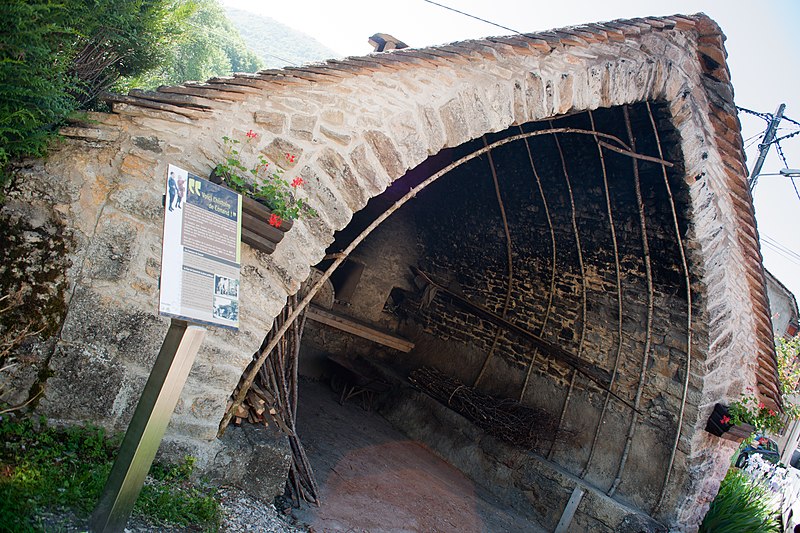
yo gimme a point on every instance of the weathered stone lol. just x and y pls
(385, 151)
(151, 144)
(84, 384)
(254, 459)
(280, 150)
(302, 126)
(112, 249)
(455, 123)
(340, 138)
(334, 165)
(272, 121)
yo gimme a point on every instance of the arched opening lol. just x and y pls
(523, 274)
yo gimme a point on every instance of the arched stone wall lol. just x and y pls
(355, 126)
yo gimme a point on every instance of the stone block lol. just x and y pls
(112, 248)
(302, 126)
(253, 458)
(272, 121)
(84, 384)
(342, 176)
(456, 126)
(122, 332)
(387, 154)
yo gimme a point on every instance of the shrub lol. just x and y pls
(741, 506)
(48, 469)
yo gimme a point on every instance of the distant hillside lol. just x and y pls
(276, 44)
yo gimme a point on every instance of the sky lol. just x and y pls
(763, 55)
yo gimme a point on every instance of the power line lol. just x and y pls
(789, 258)
(786, 165)
(474, 17)
(764, 116)
(780, 249)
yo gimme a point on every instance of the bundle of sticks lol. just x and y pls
(274, 393)
(502, 418)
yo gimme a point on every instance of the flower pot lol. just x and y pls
(727, 431)
(256, 229)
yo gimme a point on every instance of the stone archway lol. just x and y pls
(355, 126)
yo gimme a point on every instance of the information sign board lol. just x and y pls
(201, 251)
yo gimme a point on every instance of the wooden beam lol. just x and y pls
(569, 511)
(599, 375)
(360, 329)
(256, 241)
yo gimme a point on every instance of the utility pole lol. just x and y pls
(769, 136)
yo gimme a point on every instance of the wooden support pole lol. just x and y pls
(569, 511)
(597, 374)
(155, 407)
(369, 229)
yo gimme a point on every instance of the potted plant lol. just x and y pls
(270, 202)
(738, 420)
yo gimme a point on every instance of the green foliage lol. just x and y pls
(788, 352)
(117, 39)
(740, 507)
(46, 468)
(264, 182)
(751, 411)
(207, 45)
(33, 76)
(170, 497)
(58, 56)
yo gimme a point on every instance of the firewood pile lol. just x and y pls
(502, 418)
(273, 395)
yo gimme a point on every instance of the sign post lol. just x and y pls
(200, 259)
(147, 427)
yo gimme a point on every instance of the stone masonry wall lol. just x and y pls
(355, 126)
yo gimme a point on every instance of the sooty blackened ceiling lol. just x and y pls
(459, 215)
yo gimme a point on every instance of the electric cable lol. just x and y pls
(474, 17)
(782, 249)
(764, 116)
(786, 165)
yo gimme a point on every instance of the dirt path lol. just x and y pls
(373, 478)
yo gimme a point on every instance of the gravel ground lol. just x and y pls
(240, 513)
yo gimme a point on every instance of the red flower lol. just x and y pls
(274, 220)
(725, 419)
(297, 182)
(771, 412)
(251, 134)
(761, 405)
(290, 157)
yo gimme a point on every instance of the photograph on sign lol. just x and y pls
(201, 251)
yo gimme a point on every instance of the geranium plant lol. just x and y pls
(265, 182)
(749, 410)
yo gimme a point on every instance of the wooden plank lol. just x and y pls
(257, 242)
(594, 372)
(258, 210)
(359, 329)
(569, 511)
(173, 98)
(260, 226)
(151, 104)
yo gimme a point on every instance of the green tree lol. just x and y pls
(57, 56)
(33, 75)
(208, 45)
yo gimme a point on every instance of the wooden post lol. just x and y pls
(569, 510)
(147, 427)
